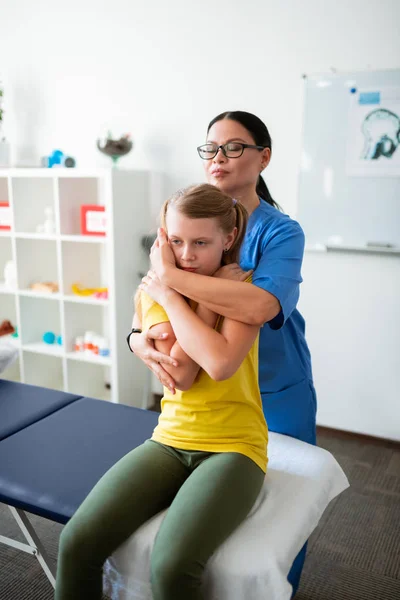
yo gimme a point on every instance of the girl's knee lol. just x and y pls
(74, 541)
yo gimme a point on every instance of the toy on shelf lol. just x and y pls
(58, 159)
(5, 216)
(45, 287)
(10, 275)
(8, 349)
(92, 343)
(6, 328)
(99, 293)
(49, 337)
(49, 224)
(93, 219)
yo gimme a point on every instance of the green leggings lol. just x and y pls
(209, 495)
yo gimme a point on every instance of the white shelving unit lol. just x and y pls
(66, 257)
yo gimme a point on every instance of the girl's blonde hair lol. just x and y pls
(206, 201)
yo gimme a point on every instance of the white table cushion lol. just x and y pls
(253, 563)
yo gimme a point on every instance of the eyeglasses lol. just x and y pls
(230, 150)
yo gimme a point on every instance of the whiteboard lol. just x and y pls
(347, 195)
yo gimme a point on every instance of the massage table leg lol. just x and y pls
(34, 545)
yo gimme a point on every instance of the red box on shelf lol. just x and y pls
(93, 219)
(5, 216)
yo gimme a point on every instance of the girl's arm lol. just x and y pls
(184, 370)
(184, 374)
(219, 354)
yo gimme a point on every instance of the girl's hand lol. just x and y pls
(161, 256)
(232, 272)
(152, 285)
(142, 345)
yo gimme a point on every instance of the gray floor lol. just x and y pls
(354, 554)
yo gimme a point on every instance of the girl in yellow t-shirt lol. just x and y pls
(207, 457)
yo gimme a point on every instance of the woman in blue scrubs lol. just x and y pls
(236, 151)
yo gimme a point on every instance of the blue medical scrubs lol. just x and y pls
(273, 247)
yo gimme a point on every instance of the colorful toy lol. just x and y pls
(93, 219)
(58, 159)
(51, 338)
(92, 343)
(5, 216)
(45, 287)
(101, 292)
(6, 328)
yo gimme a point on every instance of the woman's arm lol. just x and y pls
(234, 299)
(219, 354)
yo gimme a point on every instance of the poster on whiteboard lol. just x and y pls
(373, 145)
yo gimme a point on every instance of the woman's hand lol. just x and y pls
(161, 256)
(152, 285)
(142, 344)
(232, 272)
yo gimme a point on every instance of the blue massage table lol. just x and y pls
(55, 446)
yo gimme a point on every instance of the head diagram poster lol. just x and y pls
(373, 146)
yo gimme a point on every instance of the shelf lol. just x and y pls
(35, 236)
(6, 290)
(89, 239)
(10, 340)
(45, 295)
(54, 296)
(58, 172)
(89, 357)
(61, 254)
(42, 348)
(43, 370)
(86, 300)
(36, 260)
(56, 350)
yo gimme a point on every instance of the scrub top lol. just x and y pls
(273, 247)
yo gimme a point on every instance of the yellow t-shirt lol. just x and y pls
(212, 416)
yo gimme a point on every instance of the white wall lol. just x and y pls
(351, 306)
(162, 69)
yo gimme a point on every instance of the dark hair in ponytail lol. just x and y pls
(260, 134)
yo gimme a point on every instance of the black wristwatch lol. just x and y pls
(134, 330)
